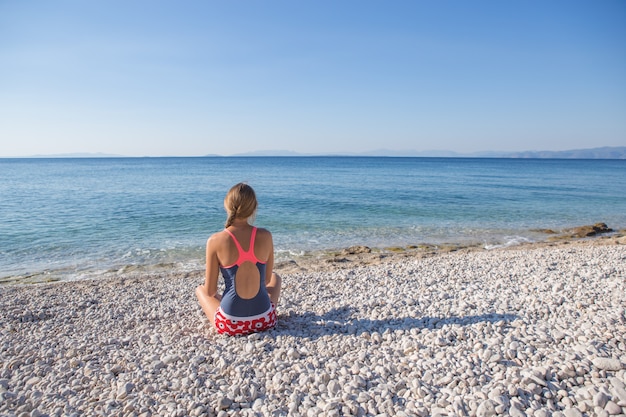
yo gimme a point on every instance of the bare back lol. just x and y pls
(247, 281)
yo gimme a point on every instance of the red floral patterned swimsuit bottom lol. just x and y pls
(234, 326)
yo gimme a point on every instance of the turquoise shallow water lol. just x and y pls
(66, 218)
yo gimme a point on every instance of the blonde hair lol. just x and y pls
(240, 203)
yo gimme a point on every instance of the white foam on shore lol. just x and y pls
(508, 242)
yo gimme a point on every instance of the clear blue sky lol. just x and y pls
(202, 77)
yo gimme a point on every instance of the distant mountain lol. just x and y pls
(79, 155)
(606, 152)
(432, 153)
(272, 153)
(594, 153)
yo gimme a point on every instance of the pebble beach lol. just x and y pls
(535, 330)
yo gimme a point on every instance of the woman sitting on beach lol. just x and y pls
(245, 256)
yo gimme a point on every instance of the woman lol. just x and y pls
(245, 256)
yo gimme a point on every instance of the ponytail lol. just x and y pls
(232, 215)
(240, 202)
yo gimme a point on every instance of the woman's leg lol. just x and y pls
(209, 304)
(273, 288)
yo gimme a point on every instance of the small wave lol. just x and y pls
(509, 241)
(286, 254)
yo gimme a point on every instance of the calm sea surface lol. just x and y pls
(72, 218)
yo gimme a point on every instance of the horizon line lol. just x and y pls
(604, 152)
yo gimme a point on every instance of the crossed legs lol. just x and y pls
(210, 304)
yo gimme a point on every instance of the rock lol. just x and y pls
(612, 408)
(257, 405)
(619, 395)
(333, 388)
(198, 360)
(33, 381)
(572, 412)
(313, 412)
(354, 250)
(584, 406)
(486, 409)
(600, 412)
(588, 231)
(170, 359)
(124, 389)
(293, 353)
(437, 411)
(516, 412)
(607, 364)
(198, 411)
(600, 399)
(116, 369)
(617, 383)
(223, 403)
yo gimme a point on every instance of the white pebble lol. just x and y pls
(607, 364)
(612, 408)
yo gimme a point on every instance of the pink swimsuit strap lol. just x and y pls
(245, 255)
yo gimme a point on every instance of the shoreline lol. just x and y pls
(353, 255)
(364, 255)
(532, 330)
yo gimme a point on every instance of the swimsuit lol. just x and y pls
(236, 315)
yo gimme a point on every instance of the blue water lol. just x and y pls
(68, 218)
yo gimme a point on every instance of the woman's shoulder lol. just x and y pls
(218, 237)
(263, 234)
(262, 231)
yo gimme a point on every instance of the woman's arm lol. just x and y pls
(273, 282)
(269, 265)
(207, 294)
(212, 267)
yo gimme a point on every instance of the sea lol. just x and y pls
(76, 218)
